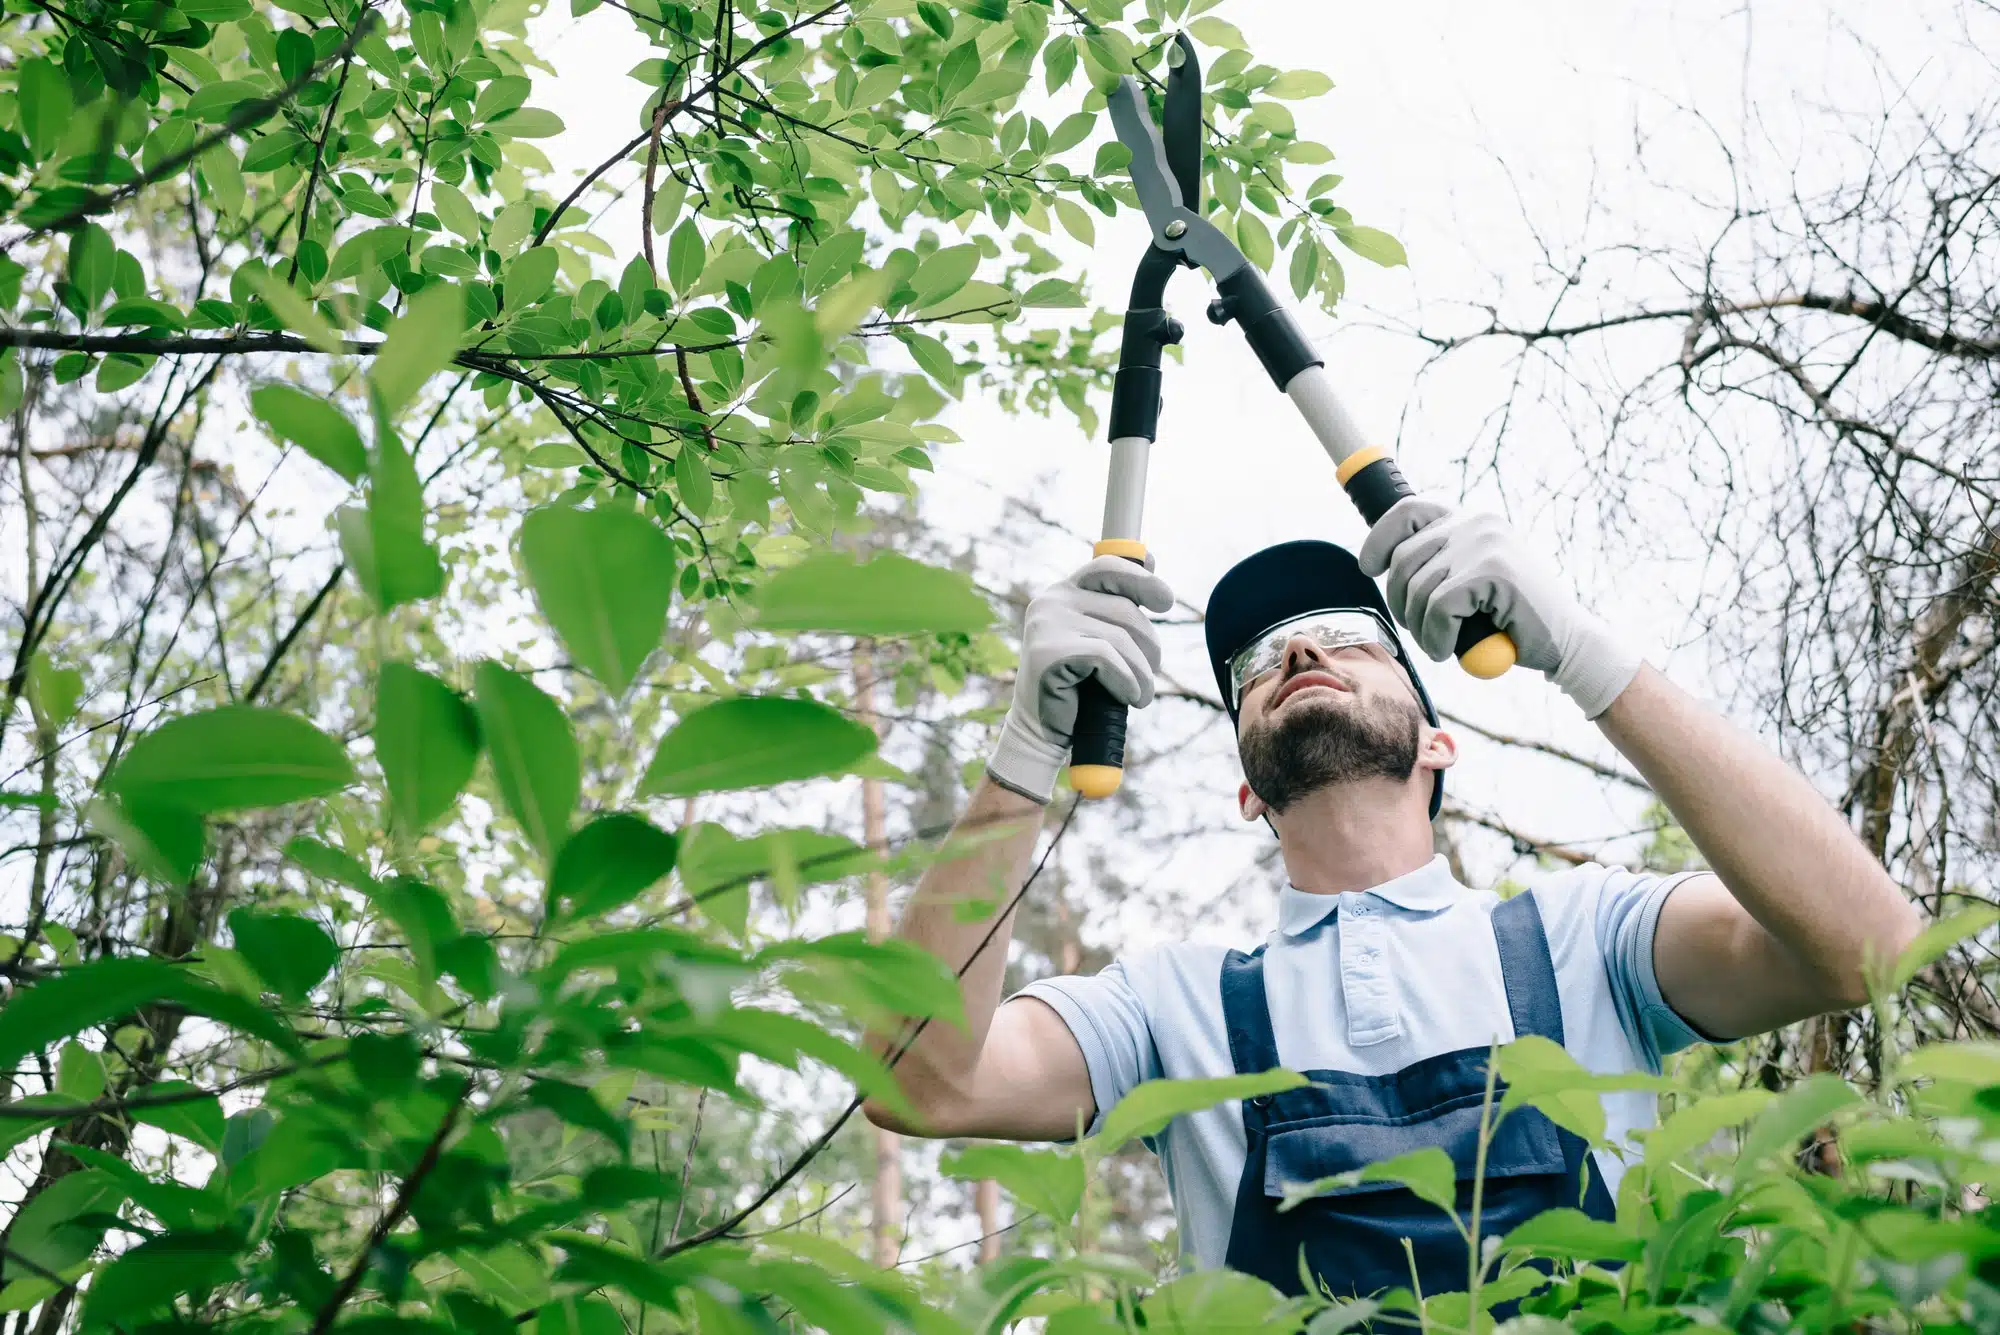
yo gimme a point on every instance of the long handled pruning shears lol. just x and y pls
(1167, 175)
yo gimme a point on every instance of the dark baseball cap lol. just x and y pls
(1287, 581)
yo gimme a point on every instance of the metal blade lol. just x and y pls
(1151, 175)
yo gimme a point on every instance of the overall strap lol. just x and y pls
(1526, 969)
(1246, 1014)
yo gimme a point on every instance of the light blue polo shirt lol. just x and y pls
(1371, 982)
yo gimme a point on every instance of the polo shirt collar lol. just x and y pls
(1427, 889)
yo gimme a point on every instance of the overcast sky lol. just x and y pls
(1493, 139)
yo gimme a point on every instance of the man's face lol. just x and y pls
(1325, 716)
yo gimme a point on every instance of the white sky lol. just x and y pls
(1476, 132)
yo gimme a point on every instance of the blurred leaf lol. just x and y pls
(1429, 1174)
(312, 424)
(579, 1107)
(1810, 1103)
(533, 754)
(161, 840)
(1049, 1182)
(753, 742)
(890, 594)
(289, 952)
(1574, 1235)
(199, 1119)
(608, 863)
(1936, 940)
(419, 344)
(427, 742)
(1699, 1122)
(1372, 243)
(151, 1275)
(232, 758)
(1152, 1104)
(53, 691)
(402, 565)
(603, 578)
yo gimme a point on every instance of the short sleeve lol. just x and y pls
(1107, 1015)
(1627, 918)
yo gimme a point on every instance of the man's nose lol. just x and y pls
(1302, 653)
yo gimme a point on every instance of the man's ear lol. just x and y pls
(1251, 805)
(1437, 750)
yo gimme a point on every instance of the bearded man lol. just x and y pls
(1385, 980)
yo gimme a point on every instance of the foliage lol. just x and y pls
(362, 985)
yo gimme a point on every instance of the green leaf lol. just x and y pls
(427, 742)
(1296, 84)
(686, 252)
(603, 578)
(1371, 243)
(312, 424)
(1955, 1063)
(1810, 1103)
(1069, 132)
(289, 952)
(53, 692)
(888, 595)
(1937, 939)
(533, 754)
(530, 275)
(693, 480)
(1573, 1235)
(1153, 1104)
(753, 742)
(1075, 221)
(53, 1231)
(579, 1107)
(943, 274)
(1698, 1123)
(233, 758)
(1049, 1182)
(454, 210)
(91, 256)
(1305, 266)
(164, 841)
(402, 566)
(957, 71)
(151, 1275)
(833, 260)
(197, 1119)
(528, 123)
(1255, 240)
(1428, 1173)
(1540, 1073)
(609, 863)
(420, 344)
(43, 96)
(79, 998)
(1216, 32)
(500, 96)
(297, 314)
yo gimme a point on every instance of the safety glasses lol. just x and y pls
(1330, 630)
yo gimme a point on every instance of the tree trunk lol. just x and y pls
(886, 1218)
(986, 1200)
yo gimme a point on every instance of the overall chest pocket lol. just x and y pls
(1525, 1145)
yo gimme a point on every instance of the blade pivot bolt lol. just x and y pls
(1176, 230)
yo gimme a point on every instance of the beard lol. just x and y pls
(1314, 743)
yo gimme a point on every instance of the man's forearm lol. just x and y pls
(939, 1065)
(1781, 851)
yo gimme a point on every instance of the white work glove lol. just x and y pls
(1088, 623)
(1445, 563)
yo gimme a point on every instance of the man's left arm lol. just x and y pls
(1796, 908)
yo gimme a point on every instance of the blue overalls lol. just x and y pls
(1353, 1239)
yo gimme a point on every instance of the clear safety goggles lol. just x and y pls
(1329, 630)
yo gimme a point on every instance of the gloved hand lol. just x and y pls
(1088, 623)
(1445, 563)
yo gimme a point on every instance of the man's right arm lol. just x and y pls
(1015, 1073)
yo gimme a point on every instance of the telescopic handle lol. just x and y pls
(1097, 745)
(1374, 483)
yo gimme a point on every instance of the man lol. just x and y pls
(1386, 980)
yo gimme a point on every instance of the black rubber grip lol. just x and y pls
(1099, 738)
(1374, 489)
